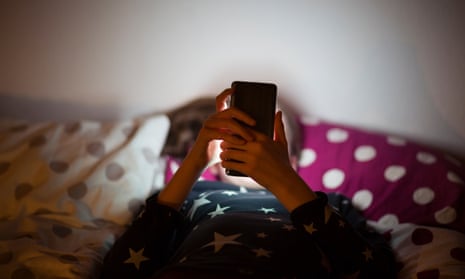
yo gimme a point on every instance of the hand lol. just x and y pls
(263, 159)
(225, 125)
(267, 162)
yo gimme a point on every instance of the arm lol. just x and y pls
(351, 254)
(223, 126)
(144, 247)
(267, 161)
(148, 242)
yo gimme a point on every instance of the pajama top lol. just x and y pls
(226, 231)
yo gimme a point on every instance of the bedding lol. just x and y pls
(412, 193)
(69, 189)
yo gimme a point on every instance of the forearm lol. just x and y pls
(290, 197)
(349, 252)
(146, 245)
(178, 188)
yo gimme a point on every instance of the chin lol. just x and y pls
(240, 181)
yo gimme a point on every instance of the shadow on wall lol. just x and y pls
(35, 109)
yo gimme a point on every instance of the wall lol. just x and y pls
(394, 66)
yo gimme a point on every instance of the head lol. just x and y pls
(293, 136)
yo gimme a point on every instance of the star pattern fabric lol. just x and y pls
(221, 240)
(136, 258)
(310, 228)
(247, 233)
(368, 254)
(267, 210)
(260, 252)
(218, 211)
(202, 200)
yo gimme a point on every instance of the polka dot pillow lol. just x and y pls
(392, 180)
(86, 170)
(426, 252)
(68, 189)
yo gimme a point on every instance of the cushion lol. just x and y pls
(426, 252)
(69, 189)
(105, 169)
(391, 179)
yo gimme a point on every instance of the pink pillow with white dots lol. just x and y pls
(392, 180)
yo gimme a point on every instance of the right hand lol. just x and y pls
(225, 125)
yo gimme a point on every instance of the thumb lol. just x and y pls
(280, 135)
(222, 98)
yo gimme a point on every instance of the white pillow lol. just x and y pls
(85, 170)
(425, 251)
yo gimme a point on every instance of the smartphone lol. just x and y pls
(258, 100)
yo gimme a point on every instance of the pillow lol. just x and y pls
(85, 170)
(68, 190)
(173, 163)
(426, 252)
(392, 180)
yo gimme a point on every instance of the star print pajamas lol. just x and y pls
(228, 230)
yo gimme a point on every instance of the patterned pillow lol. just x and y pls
(107, 168)
(426, 252)
(67, 190)
(392, 180)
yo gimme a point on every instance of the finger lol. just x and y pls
(230, 145)
(229, 127)
(280, 134)
(234, 155)
(238, 141)
(237, 114)
(233, 159)
(222, 98)
(234, 165)
(215, 134)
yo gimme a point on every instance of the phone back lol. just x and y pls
(257, 100)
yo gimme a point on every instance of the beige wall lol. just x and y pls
(390, 65)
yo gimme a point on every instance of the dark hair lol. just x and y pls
(185, 123)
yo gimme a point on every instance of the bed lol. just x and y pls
(68, 189)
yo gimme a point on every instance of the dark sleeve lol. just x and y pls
(146, 245)
(350, 249)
